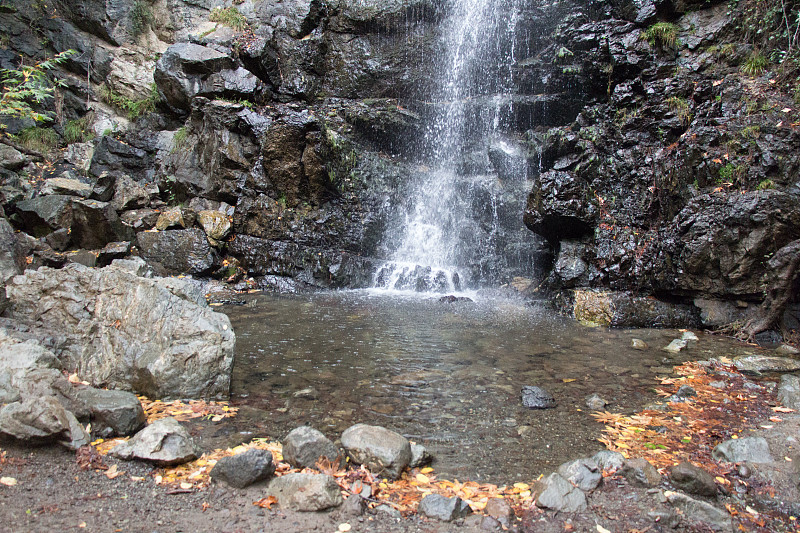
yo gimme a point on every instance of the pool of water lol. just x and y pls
(446, 375)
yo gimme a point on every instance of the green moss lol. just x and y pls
(766, 184)
(229, 16)
(662, 34)
(179, 139)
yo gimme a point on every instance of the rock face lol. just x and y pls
(164, 442)
(129, 332)
(306, 492)
(244, 469)
(304, 446)
(382, 451)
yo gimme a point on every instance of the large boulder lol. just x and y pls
(43, 419)
(164, 442)
(128, 332)
(383, 451)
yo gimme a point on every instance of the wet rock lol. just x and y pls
(114, 413)
(140, 219)
(757, 364)
(640, 473)
(789, 391)
(750, 449)
(556, 493)
(130, 194)
(304, 446)
(419, 456)
(583, 473)
(129, 332)
(570, 266)
(216, 225)
(639, 344)
(42, 419)
(608, 460)
(595, 402)
(537, 398)
(382, 451)
(449, 299)
(700, 510)
(443, 508)
(164, 442)
(625, 309)
(179, 251)
(768, 339)
(182, 70)
(305, 492)
(675, 346)
(244, 469)
(692, 479)
(560, 206)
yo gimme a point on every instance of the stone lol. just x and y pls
(42, 419)
(304, 446)
(114, 413)
(692, 479)
(700, 510)
(9, 260)
(10, 158)
(609, 461)
(419, 456)
(68, 186)
(786, 350)
(354, 506)
(216, 225)
(130, 194)
(175, 217)
(140, 219)
(689, 336)
(305, 492)
(595, 402)
(244, 469)
(640, 473)
(750, 449)
(675, 346)
(583, 473)
(164, 442)
(381, 450)
(758, 364)
(178, 251)
(556, 493)
(112, 251)
(537, 398)
(639, 344)
(789, 391)
(443, 508)
(501, 510)
(127, 332)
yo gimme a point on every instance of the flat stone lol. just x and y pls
(537, 398)
(305, 492)
(789, 391)
(692, 479)
(556, 493)
(164, 442)
(786, 349)
(113, 412)
(304, 446)
(382, 451)
(583, 473)
(443, 508)
(40, 420)
(700, 510)
(640, 473)
(750, 449)
(757, 364)
(68, 186)
(244, 469)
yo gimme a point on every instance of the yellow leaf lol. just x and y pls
(422, 478)
(426, 470)
(568, 380)
(8, 481)
(186, 486)
(521, 486)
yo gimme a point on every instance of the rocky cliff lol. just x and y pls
(272, 139)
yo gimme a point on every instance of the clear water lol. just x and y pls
(447, 375)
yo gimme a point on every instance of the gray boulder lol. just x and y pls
(113, 412)
(9, 266)
(244, 469)
(127, 332)
(608, 460)
(443, 508)
(164, 442)
(178, 251)
(583, 473)
(751, 449)
(306, 492)
(789, 391)
(758, 364)
(304, 446)
(692, 479)
(640, 473)
(383, 451)
(40, 420)
(68, 186)
(700, 510)
(556, 493)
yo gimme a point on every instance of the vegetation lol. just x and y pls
(78, 130)
(140, 17)
(133, 108)
(27, 87)
(680, 107)
(179, 139)
(766, 184)
(755, 65)
(229, 16)
(39, 139)
(662, 34)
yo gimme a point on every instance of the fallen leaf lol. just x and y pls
(186, 486)
(345, 527)
(780, 409)
(422, 478)
(267, 502)
(568, 380)
(601, 529)
(82, 525)
(8, 481)
(112, 472)
(426, 470)
(74, 379)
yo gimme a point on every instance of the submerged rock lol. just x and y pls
(382, 451)
(537, 398)
(164, 442)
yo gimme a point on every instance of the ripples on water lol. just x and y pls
(447, 375)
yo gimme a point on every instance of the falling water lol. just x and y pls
(442, 240)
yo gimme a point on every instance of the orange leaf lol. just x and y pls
(267, 502)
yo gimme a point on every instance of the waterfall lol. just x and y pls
(444, 233)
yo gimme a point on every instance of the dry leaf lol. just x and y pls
(112, 472)
(267, 502)
(8, 481)
(422, 478)
(345, 527)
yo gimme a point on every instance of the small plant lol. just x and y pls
(39, 139)
(726, 172)
(229, 16)
(78, 130)
(765, 184)
(246, 103)
(133, 108)
(563, 54)
(662, 34)
(680, 107)
(179, 139)
(750, 132)
(140, 18)
(754, 65)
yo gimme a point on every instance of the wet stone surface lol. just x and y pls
(446, 377)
